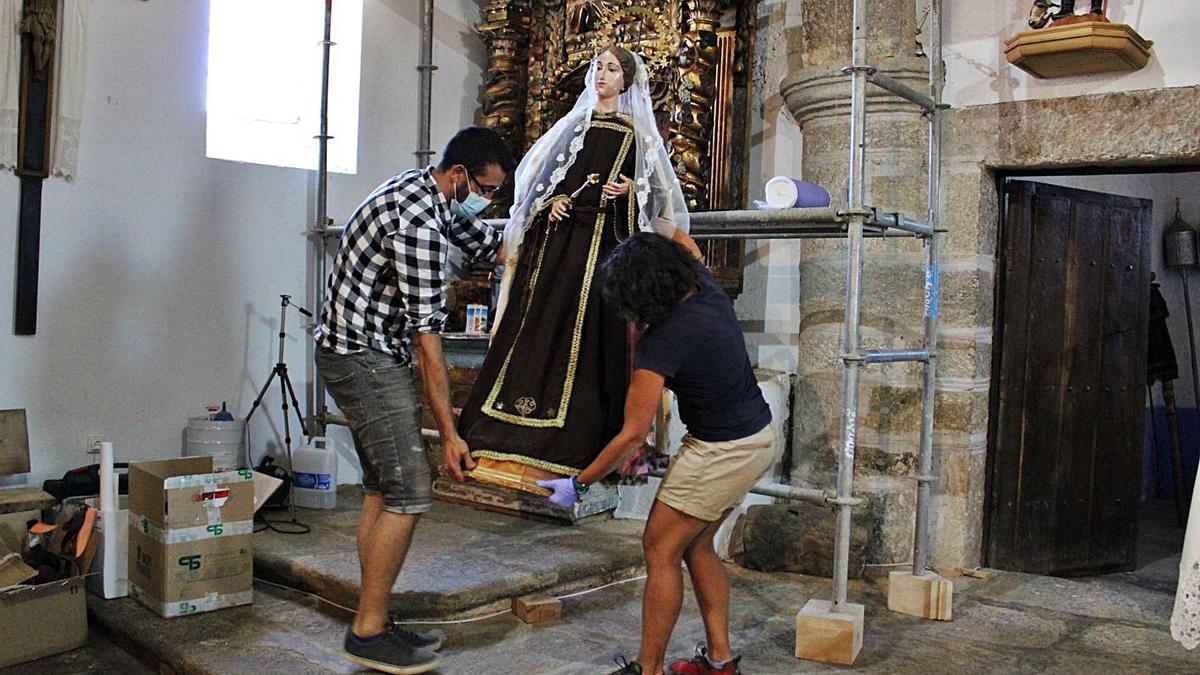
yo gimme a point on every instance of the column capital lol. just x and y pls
(823, 92)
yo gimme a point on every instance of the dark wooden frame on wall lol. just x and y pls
(36, 108)
(34, 127)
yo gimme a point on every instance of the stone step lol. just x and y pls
(283, 632)
(461, 559)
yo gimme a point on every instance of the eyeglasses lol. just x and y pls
(486, 190)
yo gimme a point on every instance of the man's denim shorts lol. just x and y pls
(377, 395)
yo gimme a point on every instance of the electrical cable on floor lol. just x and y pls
(599, 588)
(442, 622)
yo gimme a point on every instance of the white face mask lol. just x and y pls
(473, 205)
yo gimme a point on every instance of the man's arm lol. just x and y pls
(436, 382)
(420, 252)
(641, 403)
(474, 237)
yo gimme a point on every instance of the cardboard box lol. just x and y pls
(189, 536)
(38, 621)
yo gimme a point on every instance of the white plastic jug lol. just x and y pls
(220, 439)
(314, 470)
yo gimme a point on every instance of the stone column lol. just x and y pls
(818, 94)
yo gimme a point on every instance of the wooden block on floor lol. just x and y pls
(828, 636)
(16, 499)
(928, 596)
(537, 608)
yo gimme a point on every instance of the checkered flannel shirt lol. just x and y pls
(389, 276)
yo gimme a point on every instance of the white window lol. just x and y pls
(264, 82)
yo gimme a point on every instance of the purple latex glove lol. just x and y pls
(564, 491)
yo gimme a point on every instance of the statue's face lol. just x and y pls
(610, 79)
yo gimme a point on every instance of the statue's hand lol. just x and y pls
(618, 189)
(559, 210)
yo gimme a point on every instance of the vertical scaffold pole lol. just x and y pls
(314, 405)
(852, 362)
(932, 279)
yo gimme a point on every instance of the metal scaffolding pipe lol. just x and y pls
(856, 198)
(820, 223)
(425, 85)
(314, 405)
(899, 356)
(932, 276)
(794, 493)
(903, 222)
(902, 90)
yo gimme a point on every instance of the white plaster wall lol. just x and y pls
(161, 269)
(769, 304)
(1162, 189)
(977, 72)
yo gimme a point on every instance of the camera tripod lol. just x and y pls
(286, 393)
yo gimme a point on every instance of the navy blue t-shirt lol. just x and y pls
(699, 348)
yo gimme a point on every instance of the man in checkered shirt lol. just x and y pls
(387, 292)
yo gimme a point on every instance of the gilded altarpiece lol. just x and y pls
(698, 56)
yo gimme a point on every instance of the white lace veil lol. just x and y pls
(661, 206)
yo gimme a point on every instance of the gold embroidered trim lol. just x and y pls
(631, 198)
(488, 407)
(559, 420)
(527, 461)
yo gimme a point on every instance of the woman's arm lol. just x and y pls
(641, 403)
(681, 237)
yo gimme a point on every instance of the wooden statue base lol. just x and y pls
(512, 475)
(511, 487)
(1078, 46)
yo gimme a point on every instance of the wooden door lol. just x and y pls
(1069, 381)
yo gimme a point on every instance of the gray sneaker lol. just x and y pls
(389, 652)
(431, 641)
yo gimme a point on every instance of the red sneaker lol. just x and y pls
(700, 665)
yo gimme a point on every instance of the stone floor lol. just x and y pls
(1008, 623)
(460, 559)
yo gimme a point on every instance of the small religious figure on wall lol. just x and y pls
(1061, 43)
(1044, 13)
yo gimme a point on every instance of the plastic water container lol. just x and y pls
(314, 471)
(221, 439)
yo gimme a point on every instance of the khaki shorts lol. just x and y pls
(707, 478)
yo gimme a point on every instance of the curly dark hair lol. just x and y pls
(646, 276)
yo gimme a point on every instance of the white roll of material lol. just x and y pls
(784, 192)
(108, 492)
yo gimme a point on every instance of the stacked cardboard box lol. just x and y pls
(189, 536)
(36, 620)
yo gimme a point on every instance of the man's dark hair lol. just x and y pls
(647, 276)
(475, 148)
